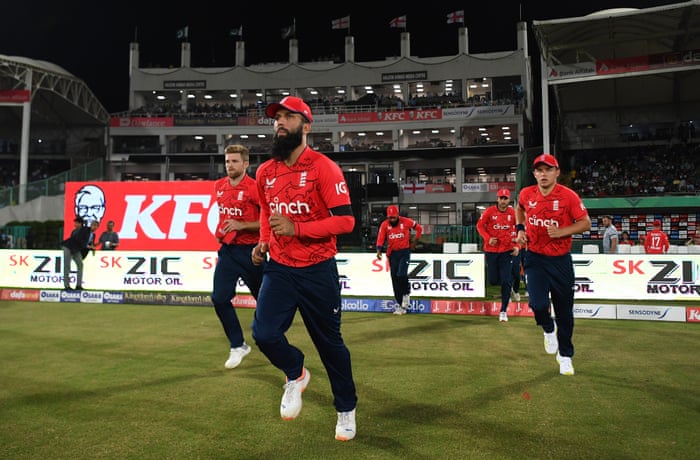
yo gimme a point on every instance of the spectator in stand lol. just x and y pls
(625, 238)
(609, 235)
(656, 241)
(497, 227)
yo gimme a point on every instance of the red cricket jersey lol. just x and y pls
(238, 203)
(397, 236)
(561, 207)
(501, 225)
(656, 242)
(304, 193)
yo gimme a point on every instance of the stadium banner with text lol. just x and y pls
(14, 96)
(663, 277)
(362, 274)
(149, 215)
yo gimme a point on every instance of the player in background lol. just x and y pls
(497, 227)
(238, 232)
(547, 216)
(656, 241)
(395, 233)
(305, 205)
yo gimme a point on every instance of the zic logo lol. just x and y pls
(667, 281)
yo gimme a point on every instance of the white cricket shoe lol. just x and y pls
(551, 344)
(345, 429)
(515, 296)
(503, 317)
(291, 399)
(566, 367)
(237, 355)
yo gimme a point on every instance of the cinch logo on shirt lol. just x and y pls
(233, 211)
(501, 227)
(395, 236)
(534, 221)
(295, 207)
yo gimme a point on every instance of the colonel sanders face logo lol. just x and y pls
(90, 203)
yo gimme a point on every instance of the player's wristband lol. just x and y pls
(520, 227)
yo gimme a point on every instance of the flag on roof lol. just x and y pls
(183, 34)
(398, 22)
(455, 16)
(290, 31)
(341, 23)
(236, 31)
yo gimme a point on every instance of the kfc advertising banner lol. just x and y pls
(153, 215)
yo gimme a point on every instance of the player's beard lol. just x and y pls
(283, 146)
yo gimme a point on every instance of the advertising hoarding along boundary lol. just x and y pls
(664, 277)
(690, 314)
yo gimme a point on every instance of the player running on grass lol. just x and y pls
(305, 204)
(547, 216)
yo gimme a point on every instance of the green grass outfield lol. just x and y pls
(98, 381)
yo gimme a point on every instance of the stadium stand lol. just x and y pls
(438, 135)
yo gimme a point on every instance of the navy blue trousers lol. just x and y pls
(398, 267)
(315, 292)
(499, 270)
(233, 262)
(552, 276)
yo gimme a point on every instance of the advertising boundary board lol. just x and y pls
(440, 283)
(471, 307)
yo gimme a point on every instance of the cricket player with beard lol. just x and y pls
(305, 205)
(238, 232)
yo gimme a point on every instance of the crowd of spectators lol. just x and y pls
(650, 170)
(367, 102)
(38, 170)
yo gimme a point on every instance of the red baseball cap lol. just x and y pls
(657, 223)
(547, 159)
(392, 211)
(293, 104)
(503, 192)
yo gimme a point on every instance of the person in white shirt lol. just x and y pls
(609, 235)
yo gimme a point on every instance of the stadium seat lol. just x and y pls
(450, 248)
(637, 249)
(624, 249)
(590, 249)
(469, 247)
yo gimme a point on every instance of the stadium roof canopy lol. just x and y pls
(626, 58)
(58, 97)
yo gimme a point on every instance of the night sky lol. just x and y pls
(91, 39)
